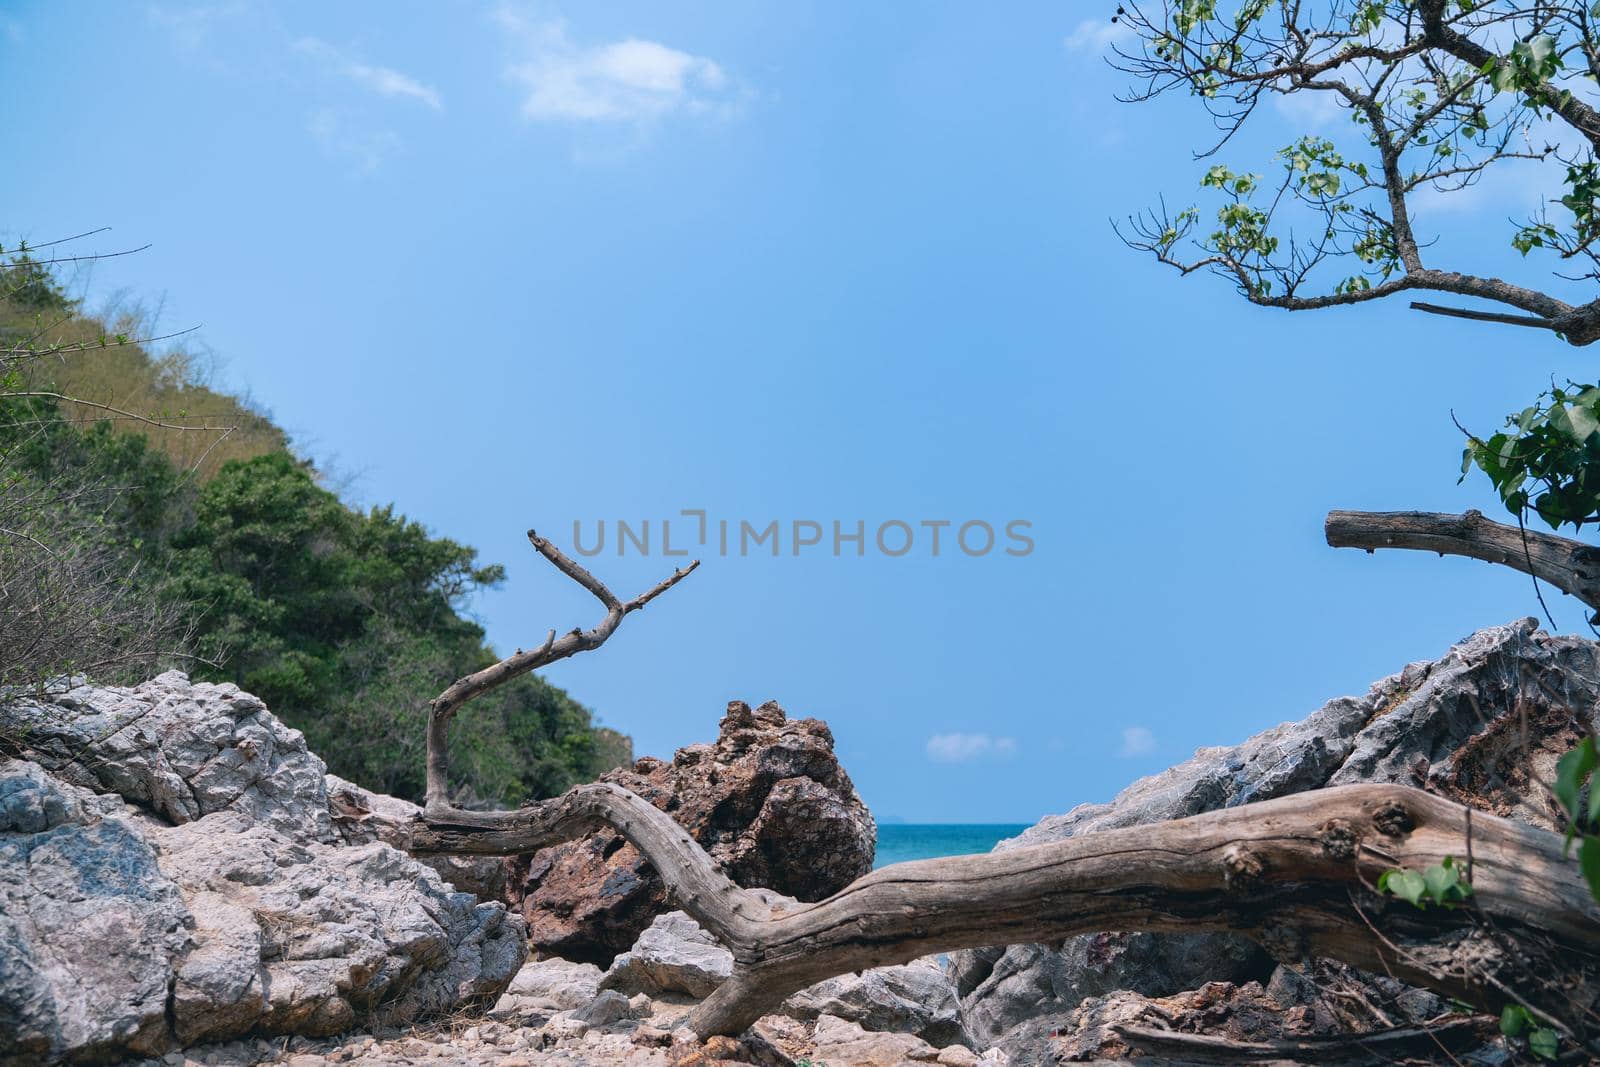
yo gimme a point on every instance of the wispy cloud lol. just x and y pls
(632, 80)
(384, 81)
(1137, 741)
(191, 27)
(1097, 35)
(963, 748)
(363, 149)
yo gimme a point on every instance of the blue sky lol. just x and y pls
(521, 265)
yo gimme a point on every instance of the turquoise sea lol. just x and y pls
(898, 842)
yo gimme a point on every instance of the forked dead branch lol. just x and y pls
(1297, 874)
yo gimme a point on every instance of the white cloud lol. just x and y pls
(1097, 35)
(632, 80)
(381, 80)
(962, 748)
(365, 150)
(1311, 107)
(1137, 741)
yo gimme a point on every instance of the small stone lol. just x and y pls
(307, 1060)
(958, 1056)
(605, 1009)
(652, 1037)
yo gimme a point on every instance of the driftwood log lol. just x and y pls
(1296, 874)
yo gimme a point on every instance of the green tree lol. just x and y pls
(117, 551)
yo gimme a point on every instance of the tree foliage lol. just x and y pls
(1431, 95)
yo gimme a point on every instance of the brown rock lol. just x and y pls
(768, 801)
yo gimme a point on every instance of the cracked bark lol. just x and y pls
(1293, 873)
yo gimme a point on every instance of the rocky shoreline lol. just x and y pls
(182, 883)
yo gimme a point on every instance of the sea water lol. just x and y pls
(898, 842)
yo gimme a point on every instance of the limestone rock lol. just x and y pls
(768, 801)
(1451, 725)
(839, 1041)
(562, 983)
(360, 816)
(170, 873)
(674, 955)
(90, 926)
(178, 749)
(915, 998)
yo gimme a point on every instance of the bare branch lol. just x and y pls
(446, 704)
(1484, 316)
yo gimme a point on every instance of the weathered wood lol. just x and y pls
(446, 704)
(1293, 873)
(1379, 1047)
(1571, 566)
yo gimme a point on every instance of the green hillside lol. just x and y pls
(345, 621)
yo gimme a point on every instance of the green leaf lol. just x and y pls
(1513, 1018)
(1440, 881)
(1589, 864)
(1542, 1043)
(1571, 771)
(1406, 884)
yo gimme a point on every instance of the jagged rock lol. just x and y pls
(360, 815)
(768, 801)
(191, 886)
(916, 998)
(178, 750)
(673, 955)
(1452, 726)
(89, 926)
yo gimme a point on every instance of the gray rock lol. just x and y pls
(90, 928)
(841, 1041)
(673, 955)
(180, 749)
(916, 998)
(563, 983)
(606, 1008)
(361, 816)
(1445, 724)
(170, 874)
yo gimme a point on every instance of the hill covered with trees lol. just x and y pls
(242, 565)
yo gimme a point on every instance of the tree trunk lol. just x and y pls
(1296, 874)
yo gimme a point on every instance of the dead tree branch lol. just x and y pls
(1571, 566)
(1292, 873)
(446, 704)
